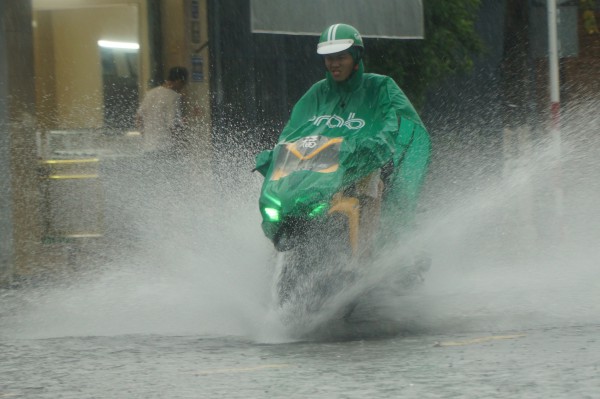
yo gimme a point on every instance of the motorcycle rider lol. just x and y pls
(392, 163)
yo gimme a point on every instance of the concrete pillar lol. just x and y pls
(20, 230)
(185, 42)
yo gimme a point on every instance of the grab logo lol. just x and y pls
(333, 121)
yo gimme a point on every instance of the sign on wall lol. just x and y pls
(396, 19)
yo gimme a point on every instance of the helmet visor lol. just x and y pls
(334, 46)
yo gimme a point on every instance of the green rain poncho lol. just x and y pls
(379, 125)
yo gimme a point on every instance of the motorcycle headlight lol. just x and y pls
(319, 210)
(272, 214)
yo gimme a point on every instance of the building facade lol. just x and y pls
(57, 80)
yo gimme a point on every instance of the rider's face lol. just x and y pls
(340, 65)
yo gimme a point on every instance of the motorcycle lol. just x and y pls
(322, 199)
(314, 215)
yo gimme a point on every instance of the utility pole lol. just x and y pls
(553, 63)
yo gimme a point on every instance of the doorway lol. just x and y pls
(81, 82)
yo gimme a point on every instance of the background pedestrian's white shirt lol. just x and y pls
(161, 113)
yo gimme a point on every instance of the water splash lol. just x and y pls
(184, 255)
(506, 254)
(187, 256)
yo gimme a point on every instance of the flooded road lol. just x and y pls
(549, 363)
(553, 362)
(493, 331)
(180, 303)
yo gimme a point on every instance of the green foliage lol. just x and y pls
(448, 48)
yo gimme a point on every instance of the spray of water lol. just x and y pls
(186, 256)
(516, 250)
(513, 248)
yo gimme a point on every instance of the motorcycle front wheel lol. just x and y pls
(317, 267)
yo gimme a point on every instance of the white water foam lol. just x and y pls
(193, 260)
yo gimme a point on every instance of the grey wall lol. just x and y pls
(257, 77)
(6, 222)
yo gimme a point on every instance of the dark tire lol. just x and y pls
(312, 271)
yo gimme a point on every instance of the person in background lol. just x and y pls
(159, 117)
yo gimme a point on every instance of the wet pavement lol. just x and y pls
(548, 363)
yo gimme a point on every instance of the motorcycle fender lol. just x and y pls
(349, 207)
